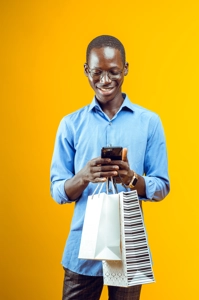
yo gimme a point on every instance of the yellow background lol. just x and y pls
(42, 53)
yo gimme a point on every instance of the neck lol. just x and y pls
(111, 107)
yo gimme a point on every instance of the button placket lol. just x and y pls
(109, 134)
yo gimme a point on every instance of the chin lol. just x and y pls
(105, 99)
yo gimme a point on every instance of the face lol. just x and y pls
(105, 71)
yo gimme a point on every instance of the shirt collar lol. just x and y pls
(126, 103)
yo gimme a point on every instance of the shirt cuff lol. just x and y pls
(58, 192)
(150, 188)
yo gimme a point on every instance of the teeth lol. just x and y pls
(105, 89)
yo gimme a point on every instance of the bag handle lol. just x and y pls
(114, 187)
(124, 185)
(95, 190)
(107, 187)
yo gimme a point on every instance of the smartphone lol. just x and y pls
(114, 153)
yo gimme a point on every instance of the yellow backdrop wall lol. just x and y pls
(42, 55)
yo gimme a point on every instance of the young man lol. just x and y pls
(110, 120)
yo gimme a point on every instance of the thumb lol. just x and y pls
(124, 154)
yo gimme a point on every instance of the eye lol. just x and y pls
(96, 72)
(114, 72)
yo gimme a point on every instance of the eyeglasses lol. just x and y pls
(98, 74)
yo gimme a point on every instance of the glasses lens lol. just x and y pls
(115, 75)
(98, 74)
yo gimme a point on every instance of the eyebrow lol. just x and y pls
(102, 70)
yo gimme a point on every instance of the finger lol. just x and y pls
(109, 168)
(107, 174)
(100, 179)
(100, 161)
(124, 154)
(102, 176)
(122, 164)
(104, 168)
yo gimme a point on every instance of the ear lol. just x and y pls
(86, 69)
(126, 69)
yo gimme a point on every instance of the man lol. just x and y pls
(110, 119)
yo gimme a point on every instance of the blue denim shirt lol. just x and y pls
(80, 137)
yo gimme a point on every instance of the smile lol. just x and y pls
(106, 89)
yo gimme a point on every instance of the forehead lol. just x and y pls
(105, 56)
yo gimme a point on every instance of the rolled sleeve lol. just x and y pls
(156, 163)
(58, 192)
(62, 165)
(156, 189)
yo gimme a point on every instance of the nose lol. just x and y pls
(104, 78)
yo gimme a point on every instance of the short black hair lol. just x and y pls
(106, 41)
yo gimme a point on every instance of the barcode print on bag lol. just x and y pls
(137, 253)
(135, 267)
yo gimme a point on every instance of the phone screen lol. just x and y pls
(114, 153)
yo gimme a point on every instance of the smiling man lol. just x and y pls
(110, 120)
(107, 84)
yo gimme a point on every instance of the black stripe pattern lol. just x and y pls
(135, 267)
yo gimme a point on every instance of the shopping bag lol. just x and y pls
(135, 268)
(101, 229)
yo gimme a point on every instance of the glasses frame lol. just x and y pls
(110, 76)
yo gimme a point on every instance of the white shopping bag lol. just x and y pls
(101, 229)
(135, 268)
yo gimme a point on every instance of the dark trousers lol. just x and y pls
(82, 287)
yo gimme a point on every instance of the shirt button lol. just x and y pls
(110, 123)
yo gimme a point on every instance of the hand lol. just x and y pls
(124, 170)
(99, 169)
